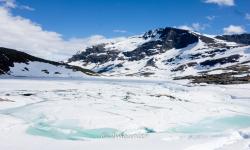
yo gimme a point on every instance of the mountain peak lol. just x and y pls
(163, 31)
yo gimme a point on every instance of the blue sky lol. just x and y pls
(82, 18)
(57, 29)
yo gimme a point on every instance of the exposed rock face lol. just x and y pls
(147, 49)
(208, 54)
(95, 54)
(184, 66)
(217, 79)
(235, 74)
(168, 38)
(151, 63)
(172, 37)
(9, 56)
(207, 40)
(109, 68)
(224, 60)
(241, 38)
(176, 38)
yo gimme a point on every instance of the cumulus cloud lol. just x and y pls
(221, 2)
(23, 34)
(194, 27)
(232, 29)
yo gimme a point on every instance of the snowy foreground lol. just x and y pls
(112, 114)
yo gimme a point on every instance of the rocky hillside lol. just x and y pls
(17, 63)
(170, 53)
(242, 38)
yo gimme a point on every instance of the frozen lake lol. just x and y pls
(85, 113)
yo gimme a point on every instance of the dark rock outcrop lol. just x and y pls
(224, 60)
(217, 79)
(238, 38)
(148, 49)
(211, 53)
(235, 74)
(168, 38)
(176, 38)
(206, 39)
(151, 63)
(182, 67)
(96, 54)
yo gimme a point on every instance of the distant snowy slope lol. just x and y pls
(169, 53)
(17, 63)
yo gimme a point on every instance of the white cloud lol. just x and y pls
(25, 7)
(232, 29)
(23, 34)
(221, 2)
(247, 16)
(11, 4)
(198, 27)
(185, 27)
(210, 18)
(120, 31)
(8, 3)
(194, 27)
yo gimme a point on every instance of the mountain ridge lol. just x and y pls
(167, 53)
(10, 59)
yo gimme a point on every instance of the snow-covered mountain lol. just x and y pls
(172, 53)
(16, 63)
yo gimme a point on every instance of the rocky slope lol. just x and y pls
(170, 53)
(242, 38)
(16, 63)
